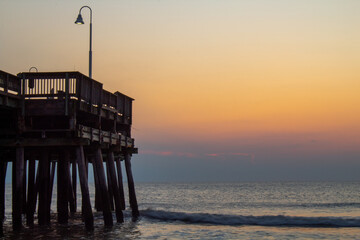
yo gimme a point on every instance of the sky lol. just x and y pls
(229, 90)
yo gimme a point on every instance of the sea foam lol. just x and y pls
(238, 220)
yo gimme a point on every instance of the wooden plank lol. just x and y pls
(98, 164)
(120, 183)
(131, 186)
(3, 167)
(18, 176)
(44, 182)
(63, 173)
(87, 212)
(112, 176)
(31, 195)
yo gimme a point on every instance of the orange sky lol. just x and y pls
(230, 76)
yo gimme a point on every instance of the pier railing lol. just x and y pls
(9, 83)
(70, 85)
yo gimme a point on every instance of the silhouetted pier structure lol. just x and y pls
(63, 121)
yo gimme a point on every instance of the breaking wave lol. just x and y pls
(238, 220)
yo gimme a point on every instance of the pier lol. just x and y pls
(62, 122)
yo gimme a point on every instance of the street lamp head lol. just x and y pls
(79, 19)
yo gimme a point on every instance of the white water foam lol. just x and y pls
(237, 220)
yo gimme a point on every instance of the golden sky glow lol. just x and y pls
(239, 71)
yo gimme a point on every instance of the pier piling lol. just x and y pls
(63, 175)
(3, 168)
(110, 188)
(115, 189)
(120, 183)
(23, 207)
(98, 204)
(98, 164)
(31, 195)
(44, 180)
(18, 176)
(131, 186)
(51, 184)
(87, 212)
(74, 187)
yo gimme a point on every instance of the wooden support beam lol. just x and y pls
(131, 186)
(120, 183)
(87, 181)
(112, 176)
(98, 164)
(72, 204)
(63, 176)
(87, 212)
(44, 182)
(74, 181)
(3, 167)
(110, 188)
(18, 180)
(98, 205)
(37, 187)
(31, 194)
(23, 208)
(51, 185)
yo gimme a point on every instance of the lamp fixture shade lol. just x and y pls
(79, 20)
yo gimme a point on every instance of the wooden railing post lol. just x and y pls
(6, 84)
(23, 95)
(66, 94)
(79, 83)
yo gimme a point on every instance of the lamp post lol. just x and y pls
(79, 20)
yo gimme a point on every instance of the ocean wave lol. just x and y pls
(238, 220)
(328, 205)
(296, 205)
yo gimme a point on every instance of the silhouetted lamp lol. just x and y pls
(79, 21)
(31, 81)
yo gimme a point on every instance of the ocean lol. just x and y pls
(249, 210)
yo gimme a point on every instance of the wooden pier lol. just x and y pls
(61, 122)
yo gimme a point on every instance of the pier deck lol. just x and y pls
(64, 119)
